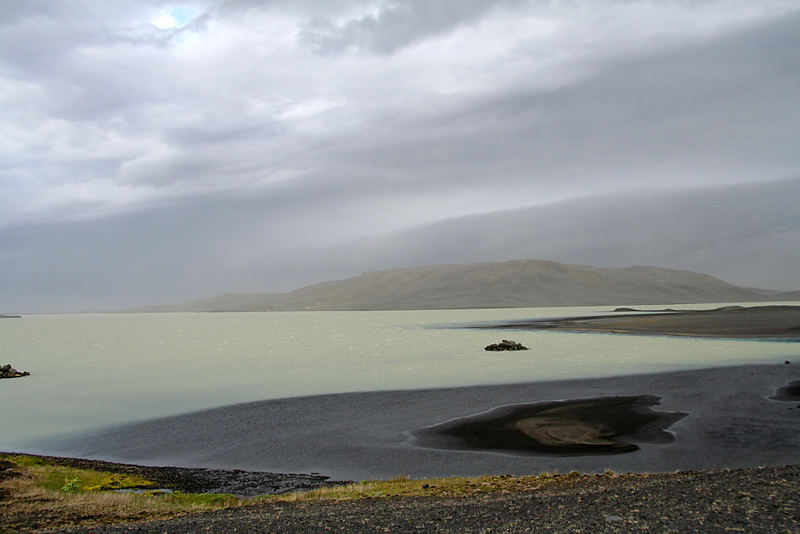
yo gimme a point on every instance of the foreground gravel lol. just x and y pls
(743, 500)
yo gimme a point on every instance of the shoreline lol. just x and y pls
(731, 422)
(234, 482)
(761, 499)
(756, 322)
(733, 464)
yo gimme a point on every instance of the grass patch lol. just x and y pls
(435, 487)
(52, 476)
(49, 495)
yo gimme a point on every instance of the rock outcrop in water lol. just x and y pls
(505, 345)
(6, 371)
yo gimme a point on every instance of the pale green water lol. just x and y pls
(95, 370)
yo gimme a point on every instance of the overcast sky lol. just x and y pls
(158, 152)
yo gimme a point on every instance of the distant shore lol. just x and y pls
(770, 322)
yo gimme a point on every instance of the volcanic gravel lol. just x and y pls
(742, 500)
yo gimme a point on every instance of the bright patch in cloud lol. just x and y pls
(164, 21)
(174, 17)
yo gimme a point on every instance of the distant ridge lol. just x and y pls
(510, 284)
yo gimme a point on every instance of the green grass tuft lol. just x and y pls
(88, 497)
(403, 486)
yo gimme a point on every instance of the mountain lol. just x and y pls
(746, 234)
(518, 283)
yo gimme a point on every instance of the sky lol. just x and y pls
(156, 152)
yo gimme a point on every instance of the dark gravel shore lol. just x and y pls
(743, 500)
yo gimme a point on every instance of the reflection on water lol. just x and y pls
(99, 369)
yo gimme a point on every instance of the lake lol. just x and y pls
(95, 370)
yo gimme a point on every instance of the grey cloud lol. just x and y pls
(69, 64)
(158, 174)
(633, 114)
(395, 25)
(162, 252)
(723, 112)
(212, 129)
(745, 234)
(41, 34)
(175, 250)
(310, 8)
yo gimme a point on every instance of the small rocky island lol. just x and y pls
(6, 371)
(506, 345)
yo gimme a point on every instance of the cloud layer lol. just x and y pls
(746, 234)
(247, 131)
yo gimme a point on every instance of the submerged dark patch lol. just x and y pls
(789, 392)
(604, 425)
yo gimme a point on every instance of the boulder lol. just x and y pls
(6, 371)
(506, 345)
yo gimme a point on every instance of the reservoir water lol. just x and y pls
(94, 370)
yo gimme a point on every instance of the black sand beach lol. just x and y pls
(731, 422)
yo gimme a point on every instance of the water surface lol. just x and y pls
(93, 370)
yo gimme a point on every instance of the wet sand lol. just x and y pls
(790, 392)
(573, 427)
(731, 422)
(771, 322)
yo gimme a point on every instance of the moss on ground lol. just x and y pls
(52, 476)
(403, 486)
(46, 494)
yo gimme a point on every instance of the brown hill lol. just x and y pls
(519, 283)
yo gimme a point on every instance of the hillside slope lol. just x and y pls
(519, 283)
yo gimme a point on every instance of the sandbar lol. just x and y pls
(771, 322)
(602, 425)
